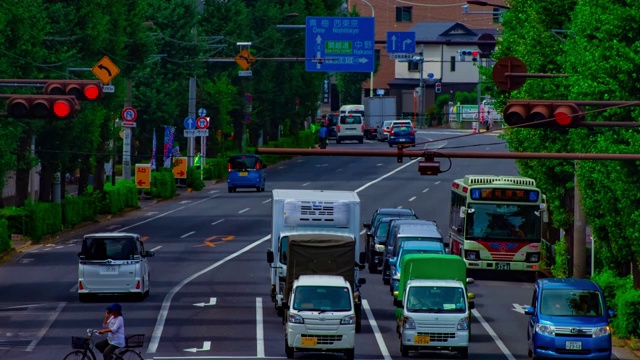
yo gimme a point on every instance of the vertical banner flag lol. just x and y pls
(153, 151)
(169, 132)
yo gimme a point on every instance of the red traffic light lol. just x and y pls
(81, 89)
(474, 53)
(541, 114)
(42, 106)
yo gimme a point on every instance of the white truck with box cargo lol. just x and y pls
(376, 110)
(322, 307)
(317, 214)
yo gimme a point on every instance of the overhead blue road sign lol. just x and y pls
(190, 123)
(340, 44)
(401, 42)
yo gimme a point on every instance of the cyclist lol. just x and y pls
(114, 328)
(323, 133)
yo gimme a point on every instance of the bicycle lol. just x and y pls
(83, 347)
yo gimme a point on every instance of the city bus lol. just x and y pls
(496, 222)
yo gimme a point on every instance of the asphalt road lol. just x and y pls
(210, 280)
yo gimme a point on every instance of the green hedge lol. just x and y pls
(5, 236)
(622, 298)
(194, 180)
(44, 219)
(163, 184)
(77, 209)
(116, 198)
(17, 219)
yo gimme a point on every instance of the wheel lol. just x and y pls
(230, 189)
(337, 140)
(358, 319)
(258, 188)
(463, 353)
(129, 354)
(262, 188)
(386, 281)
(78, 355)
(373, 268)
(529, 353)
(404, 351)
(279, 311)
(361, 140)
(287, 349)
(390, 144)
(350, 354)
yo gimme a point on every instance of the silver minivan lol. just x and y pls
(113, 263)
(350, 127)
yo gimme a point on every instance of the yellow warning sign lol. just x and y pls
(245, 59)
(180, 168)
(105, 70)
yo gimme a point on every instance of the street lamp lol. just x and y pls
(373, 15)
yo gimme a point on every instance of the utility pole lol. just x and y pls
(579, 232)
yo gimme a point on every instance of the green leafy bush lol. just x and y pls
(561, 267)
(5, 236)
(193, 178)
(17, 219)
(114, 199)
(612, 285)
(215, 168)
(78, 209)
(163, 184)
(44, 219)
(627, 323)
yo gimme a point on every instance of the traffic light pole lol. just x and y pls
(579, 231)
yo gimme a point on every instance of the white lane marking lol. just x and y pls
(187, 234)
(425, 190)
(113, 226)
(206, 346)
(322, 165)
(399, 207)
(386, 175)
(213, 191)
(305, 184)
(45, 328)
(166, 303)
(156, 248)
(299, 161)
(74, 288)
(437, 182)
(266, 201)
(164, 214)
(338, 170)
(376, 331)
(185, 201)
(379, 164)
(59, 247)
(217, 222)
(259, 329)
(47, 249)
(493, 334)
(243, 210)
(413, 198)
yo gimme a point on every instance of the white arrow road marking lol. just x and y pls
(206, 346)
(212, 301)
(519, 308)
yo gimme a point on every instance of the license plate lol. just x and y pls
(573, 345)
(309, 341)
(243, 173)
(503, 266)
(421, 339)
(109, 269)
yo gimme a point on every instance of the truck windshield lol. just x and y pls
(322, 298)
(503, 221)
(571, 303)
(436, 299)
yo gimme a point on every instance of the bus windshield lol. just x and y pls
(503, 222)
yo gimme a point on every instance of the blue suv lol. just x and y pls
(569, 320)
(245, 171)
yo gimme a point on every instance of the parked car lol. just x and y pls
(408, 248)
(569, 318)
(401, 132)
(113, 264)
(377, 231)
(245, 171)
(383, 131)
(350, 127)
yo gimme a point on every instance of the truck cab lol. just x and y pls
(433, 305)
(320, 316)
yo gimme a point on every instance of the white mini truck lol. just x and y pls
(320, 316)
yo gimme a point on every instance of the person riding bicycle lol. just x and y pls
(114, 328)
(323, 133)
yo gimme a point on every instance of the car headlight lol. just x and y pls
(380, 248)
(533, 257)
(472, 255)
(348, 320)
(408, 323)
(602, 331)
(546, 329)
(295, 319)
(463, 324)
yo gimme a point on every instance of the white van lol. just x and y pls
(113, 263)
(352, 109)
(350, 127)
(320, 316)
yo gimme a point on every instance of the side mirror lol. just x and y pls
(463, 211)
(529, 310)
(612, 313)
(366, 225)
(470, 281)
(362, 281)
(360, 266)
(362, 257)
(270, 256)
(471, 296)
(472, 305)
(285, 305)
(149, 253)
(447, 250)
(397, 303)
